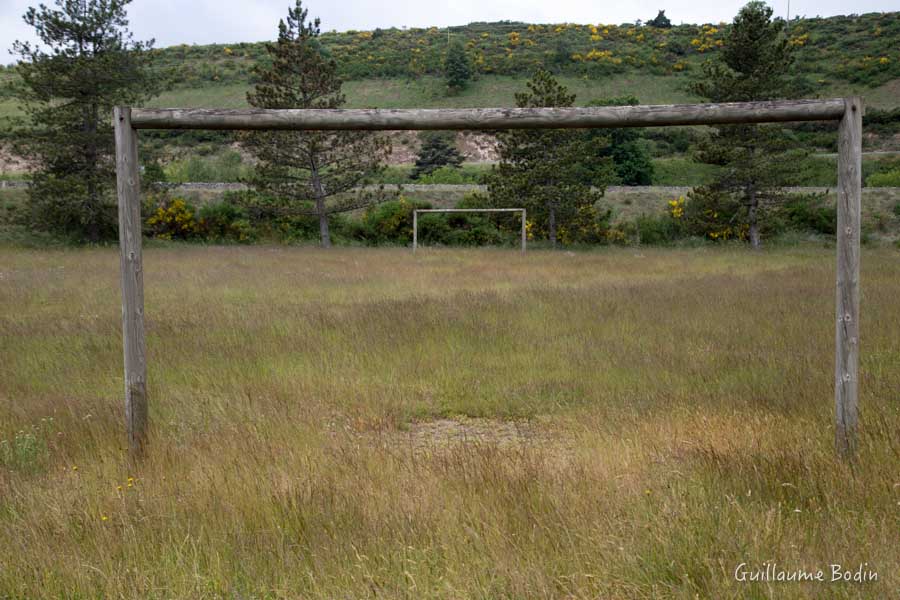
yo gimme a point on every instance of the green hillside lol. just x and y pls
(402, 67)
(396, 68)
(862, 50)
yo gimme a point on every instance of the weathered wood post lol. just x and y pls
(524, 236)
(128, 188)
(415, 229)
(846, 372)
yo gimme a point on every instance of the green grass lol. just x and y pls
(885, 96)
(474, 424)
(430, 92)
(682, 171)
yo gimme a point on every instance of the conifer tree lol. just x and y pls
(316, 173)
(457, 68)
(544, 170)
(86, 64)
(661, 21)
(437, 151)
(755, 64)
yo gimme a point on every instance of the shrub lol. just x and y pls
(656, 229)
(227, 166)
(390, 222)
(886, 179)
(810, 213)
(445, 175)
(710, 214)
(589, 225)
(224, 221)
(173, 220)
(459, 229)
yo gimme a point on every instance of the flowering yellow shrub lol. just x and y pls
(602, 56)
(799, 40)
(173, 220)
(707, 39)
(676, 207)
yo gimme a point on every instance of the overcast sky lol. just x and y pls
(206, 21)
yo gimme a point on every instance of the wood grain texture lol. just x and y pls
(489, 118)
(128, 187)
(846, 375)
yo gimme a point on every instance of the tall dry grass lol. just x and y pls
(678, 404)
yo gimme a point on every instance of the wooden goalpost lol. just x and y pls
(522, 235)
(847, 112)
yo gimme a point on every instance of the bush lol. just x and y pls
(810, 213)
(226, 167)
(887, 179)
(710, 214)
(173, 220)
(59, 206)
(390, 222)
(656, 229)
(446, 175)
(459, 229)
(589, 225)
(224, 221)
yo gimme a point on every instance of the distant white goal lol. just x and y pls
(462, 210)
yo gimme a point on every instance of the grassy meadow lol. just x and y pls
(623, 423)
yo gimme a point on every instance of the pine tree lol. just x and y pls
(544, 170)
(437, 151)
(457, 68)
(631, 158)
(755, 64)
(661, 21)
(90, 64)
(313, 173)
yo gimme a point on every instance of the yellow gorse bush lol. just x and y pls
(676, 207)
(799, 40)
(173, 220)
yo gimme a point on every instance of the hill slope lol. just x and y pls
(402, 67)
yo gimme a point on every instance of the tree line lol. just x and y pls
(91, 63)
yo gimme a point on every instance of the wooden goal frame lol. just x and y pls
(847, 112)
(415, 245)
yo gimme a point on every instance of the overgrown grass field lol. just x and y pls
(625, 423)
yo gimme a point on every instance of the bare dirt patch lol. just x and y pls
(9, 162)
(439, 435)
